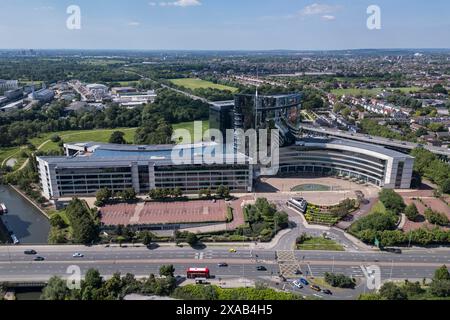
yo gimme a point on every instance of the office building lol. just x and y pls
(88, 167)
(221, 117)
(257, 112)
(360, 162)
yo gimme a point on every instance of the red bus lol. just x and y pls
(194, 273)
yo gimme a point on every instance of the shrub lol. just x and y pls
(392, 201)
(411, 212)
(339, 280)
(435, 217)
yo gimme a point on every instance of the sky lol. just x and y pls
(224, 24)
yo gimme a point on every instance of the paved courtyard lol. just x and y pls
(275, 188)
(423, 203)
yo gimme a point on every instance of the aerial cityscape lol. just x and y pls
(205, 150)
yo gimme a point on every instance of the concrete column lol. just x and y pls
(135, 177)
(151, 171)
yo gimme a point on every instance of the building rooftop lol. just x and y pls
(353, 144)
(114, 154)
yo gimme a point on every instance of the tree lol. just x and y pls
(391, 291)
(85, 228)
(441, 274)
(282, 220)
(57, 221)
(167, 271)
(117, 137)
(93, 279)
(446, 186)
(56, 289)
(128, 195)
(177, 193)
(102, 197)
(440, 288)
(339, 280)
(147, 238)
(411, 212)
(55, 138)
(392, 201)
(192, 239)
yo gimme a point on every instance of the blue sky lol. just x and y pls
(224, 24)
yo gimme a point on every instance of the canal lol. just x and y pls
(28, 224)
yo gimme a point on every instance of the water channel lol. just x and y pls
(23, 219)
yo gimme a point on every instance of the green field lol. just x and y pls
(320, 244)
(193, 84)
(190, 127)
(44, 143)
(371, 92)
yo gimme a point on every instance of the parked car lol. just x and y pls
(30, 252)
(394, 250)
(316, 288)
(304, 281)
(261, 268)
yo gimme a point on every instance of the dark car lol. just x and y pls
(328, 292)
(222, 265)
(30, 252)
(39, 259)
(394, 250)
(304, 281)
(261, 268)
(297, 272)
(316, 288)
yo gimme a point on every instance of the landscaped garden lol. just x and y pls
(306, 242)
(330, 215)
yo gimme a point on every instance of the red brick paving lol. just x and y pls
(426, 202)
(238, 213)
(166, 213)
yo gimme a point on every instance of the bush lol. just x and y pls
(375, 221)
(339, 280)
(435, 217)
(391, 291)
(192, 239)
(392, 201)
(411, 212)
(55, 138)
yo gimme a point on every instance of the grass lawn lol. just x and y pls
(320, 244)
(190, 127)
(193, 84)
(378, 207)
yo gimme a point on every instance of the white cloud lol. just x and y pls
(318, 9)
(178, 3)
(134, 24)
(328, 17)
(44, 8)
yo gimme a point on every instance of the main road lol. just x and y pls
(15, 265)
